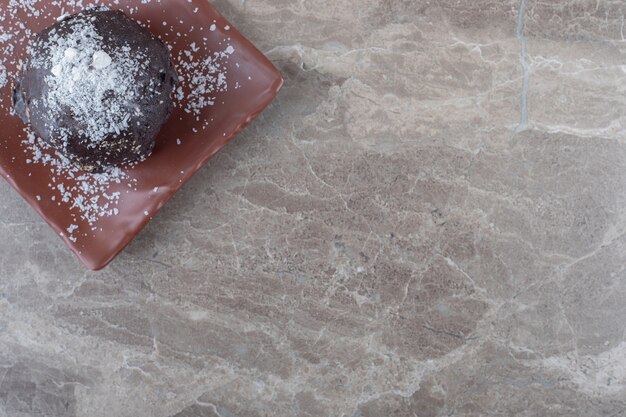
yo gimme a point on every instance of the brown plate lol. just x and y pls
(183, 146)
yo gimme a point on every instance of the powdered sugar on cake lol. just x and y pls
(94, 85)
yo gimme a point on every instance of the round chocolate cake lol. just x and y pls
(98, 87)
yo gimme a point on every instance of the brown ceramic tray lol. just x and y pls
(182, 147)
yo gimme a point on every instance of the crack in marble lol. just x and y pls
(519, 34)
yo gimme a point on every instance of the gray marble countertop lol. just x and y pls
(430, 220)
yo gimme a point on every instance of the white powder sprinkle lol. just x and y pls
(70, 53)
(87, 195)
(56, 70)
(94, 85)
(3, 75)
(101, 59)
(201, 79)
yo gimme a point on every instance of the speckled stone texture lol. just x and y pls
(429, 221)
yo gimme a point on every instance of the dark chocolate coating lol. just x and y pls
(154, 84)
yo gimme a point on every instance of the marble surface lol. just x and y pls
(429, 221)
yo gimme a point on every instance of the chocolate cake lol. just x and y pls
(97, 87)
